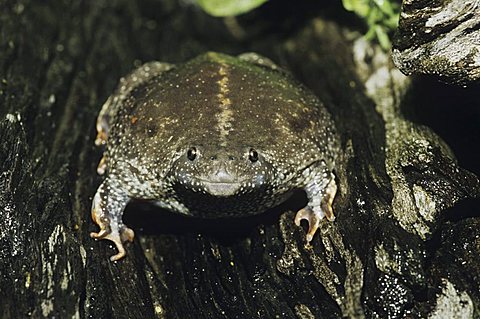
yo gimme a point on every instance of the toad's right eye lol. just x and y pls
(253, 155)
(192, 153)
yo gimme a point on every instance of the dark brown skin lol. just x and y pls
(216, 137)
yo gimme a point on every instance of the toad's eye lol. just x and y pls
(253, 155)
(192, 153)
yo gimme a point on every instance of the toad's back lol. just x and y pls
(219, 100)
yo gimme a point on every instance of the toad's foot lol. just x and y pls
(101, 138)
(118, 237)
(102, 165)
(314, 215)
(111, 225)
(312, 218)
(102, 123)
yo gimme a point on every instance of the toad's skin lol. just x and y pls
(218, 136)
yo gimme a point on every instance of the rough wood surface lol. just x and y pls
(440, 38)
(401, 245)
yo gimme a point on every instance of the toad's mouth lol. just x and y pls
(220, 188)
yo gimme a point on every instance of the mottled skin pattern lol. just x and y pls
(218, 136)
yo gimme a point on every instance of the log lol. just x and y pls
(439, 38)
(406, 239)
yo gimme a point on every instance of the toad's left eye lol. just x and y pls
(192, 153)
(253, 155)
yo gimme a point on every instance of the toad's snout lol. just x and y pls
(222, 171)
(222, 181)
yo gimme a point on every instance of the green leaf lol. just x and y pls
(381, 17)
(371, 34)
(360, 7)
(228, 8)
(382, 37)
(349, 4)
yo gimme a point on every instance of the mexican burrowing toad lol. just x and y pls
(216, 137)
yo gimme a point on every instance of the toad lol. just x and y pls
(215, 137)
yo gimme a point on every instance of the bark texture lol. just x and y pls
(406, 241)
(440, 38)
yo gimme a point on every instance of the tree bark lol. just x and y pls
(405, 242)
(440, 38)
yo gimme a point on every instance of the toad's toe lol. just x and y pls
(117, 238)
(312, 218)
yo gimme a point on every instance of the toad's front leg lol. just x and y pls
(320, 193)
(107, 210)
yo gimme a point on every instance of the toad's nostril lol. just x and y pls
(231, 157)
(214, 157)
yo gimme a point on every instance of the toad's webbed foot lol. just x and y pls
(317, 208)
(107, 211)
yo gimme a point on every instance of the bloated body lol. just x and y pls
(216, 137)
